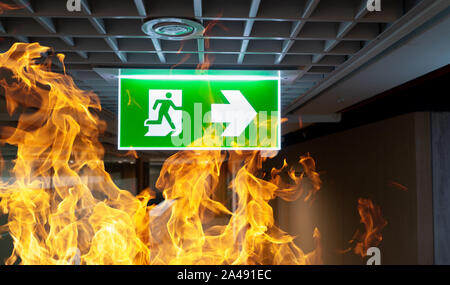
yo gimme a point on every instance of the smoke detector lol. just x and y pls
(173, 28)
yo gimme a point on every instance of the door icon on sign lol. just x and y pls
(165, 113)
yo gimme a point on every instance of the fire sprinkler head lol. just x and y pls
(173, 28)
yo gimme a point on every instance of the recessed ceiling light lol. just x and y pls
(173, 28)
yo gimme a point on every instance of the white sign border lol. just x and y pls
(201, 77)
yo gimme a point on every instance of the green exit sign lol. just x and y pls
(194, 109)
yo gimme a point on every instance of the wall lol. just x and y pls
(366, 162)
(440, 129)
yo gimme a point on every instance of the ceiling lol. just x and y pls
(309, 40)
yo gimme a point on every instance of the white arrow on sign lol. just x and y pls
(238, 113)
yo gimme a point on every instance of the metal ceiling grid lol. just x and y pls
(307, 39)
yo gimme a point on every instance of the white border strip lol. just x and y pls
(119, 102)
(279, 111)
(199, 148)
(200, 77)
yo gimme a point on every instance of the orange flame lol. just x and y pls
(184, 58)
(209, 58)
(5, 7)
(373, 222)
(57, 208)
(130, 154)
(59, 212)
(300, 121)
(398, 186)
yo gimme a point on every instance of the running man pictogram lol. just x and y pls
(164, 113)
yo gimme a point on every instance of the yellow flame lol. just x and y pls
(5, 7)
(58, 213)
(373, 222)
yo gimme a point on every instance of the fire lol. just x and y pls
(5, 6)
(398, 186)
(132, 153)
(249, 237)
(209, 58)
(56, 207)
(373, 222)
(64, 213)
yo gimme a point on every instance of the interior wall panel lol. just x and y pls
(378, 161)
(440, 129)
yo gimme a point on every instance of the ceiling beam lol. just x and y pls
(343, 29)
(98, 24)
(159, 52)
(138, 35)
(361, 11)
(417, 16)
(68, 40)
(85, 7)
(201, 50)
(198, 12)
(25, 4)
(309, 9)
(248, 29)
(47, 23)
(113, 44)
(122, 56)
(140, 6)
(310, 6)
(83, 54)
